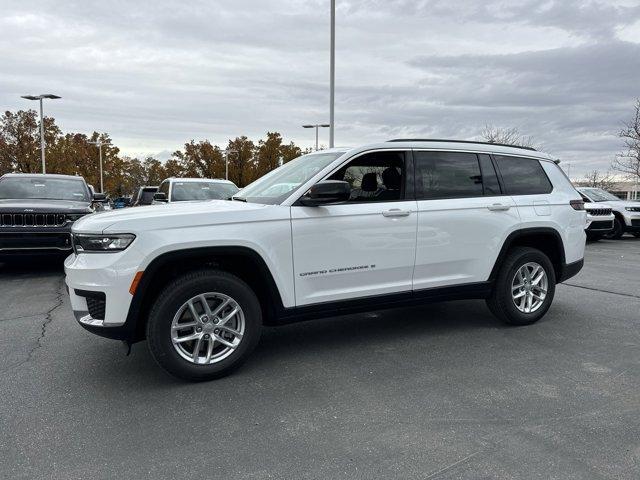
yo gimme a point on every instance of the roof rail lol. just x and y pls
(459, 141)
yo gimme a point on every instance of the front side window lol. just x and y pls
(374, 177)
(274, 187)
(43, 188)
(523, 176)
(447, 175)
(184, 191)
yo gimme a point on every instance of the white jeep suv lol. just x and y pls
(333, 232)
(626, 213)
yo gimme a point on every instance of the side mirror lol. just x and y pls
(99, 197)
(326, 193)
(160, 197)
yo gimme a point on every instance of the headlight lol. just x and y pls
(101, 243)
(632, 209)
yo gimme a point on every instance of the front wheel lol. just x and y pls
(524, 287)
(617, 232)
(204, 325)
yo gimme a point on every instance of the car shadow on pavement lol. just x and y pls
(380, 329)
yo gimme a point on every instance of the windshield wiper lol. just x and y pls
(239, 199)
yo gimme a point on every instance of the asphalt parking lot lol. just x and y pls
(443, 391)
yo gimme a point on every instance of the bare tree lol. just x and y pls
(595, 178)
(628, 162)
(508, 136)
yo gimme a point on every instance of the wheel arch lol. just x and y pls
(243, 262)
(546, 239)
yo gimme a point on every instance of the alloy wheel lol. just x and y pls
(529, 287)
(207, 328)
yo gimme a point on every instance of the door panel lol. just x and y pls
(353, 250)
(459, 239)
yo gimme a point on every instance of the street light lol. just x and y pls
(40, 98)
(317, 126)
(98, 143)
(226, 162)
(332, 74)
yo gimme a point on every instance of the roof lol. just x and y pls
(461, 141)
(41, 175)
(193, 179)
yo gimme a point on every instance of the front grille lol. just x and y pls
(33, 220)
(635, 223)
(96, 302)
(599, 211)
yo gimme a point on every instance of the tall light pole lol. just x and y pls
(226, 162)
(98, 143)
(317, 126)
(40, 98)
(332, 74)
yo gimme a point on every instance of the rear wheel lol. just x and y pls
(204, 325)
(524, 287)
(617, 232)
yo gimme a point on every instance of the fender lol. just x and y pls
(520, 234)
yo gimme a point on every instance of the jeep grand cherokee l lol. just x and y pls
(37, 211)
(332, 232)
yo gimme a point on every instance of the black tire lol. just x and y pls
(169, 301)
(593, 237)
(617, 232)
(501, 302)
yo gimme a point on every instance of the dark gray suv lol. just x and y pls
(37, 211)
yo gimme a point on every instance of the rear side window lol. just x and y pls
(447, 175)
(523, 176)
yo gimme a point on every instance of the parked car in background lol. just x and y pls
(378, 226)
(144, 196)
(121, 202)
(599, 220)
(626, 213)
(189, 189)
(37, 211)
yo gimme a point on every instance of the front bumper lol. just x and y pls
(600, 226)
(632, 222)
(29, 240)
(98, 286)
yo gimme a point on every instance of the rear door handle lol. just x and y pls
(498, 207)
(396, 212)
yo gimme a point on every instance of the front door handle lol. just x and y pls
(396, 212)
(498, 207)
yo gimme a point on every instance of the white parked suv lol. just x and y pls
(626, 213)
(600, 220)
(397, 223)
(176, 189)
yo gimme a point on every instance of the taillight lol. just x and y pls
(577, 204)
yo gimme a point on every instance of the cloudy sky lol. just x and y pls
(154, 74)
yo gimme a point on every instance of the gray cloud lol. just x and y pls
(156, 74)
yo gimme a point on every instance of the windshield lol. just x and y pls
(599, 195)
(183, 191)
(274, 187)
(44, 188)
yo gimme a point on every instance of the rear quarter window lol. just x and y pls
(523, 176)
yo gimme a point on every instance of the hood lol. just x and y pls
(166, 216)
(33, 205)
(596, 205)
